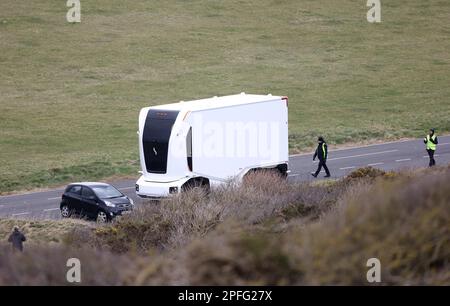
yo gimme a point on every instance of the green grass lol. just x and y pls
(70, 93)
(52, 177)
(41, 232)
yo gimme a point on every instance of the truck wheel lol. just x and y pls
(257, 174)
(196, 184)
(283, 170)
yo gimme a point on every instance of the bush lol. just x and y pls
(174, 222)
(264, 234)
(403, 223)
(229, 256)
(366, 172)
(46, 265)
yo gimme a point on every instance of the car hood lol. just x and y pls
(121, 200)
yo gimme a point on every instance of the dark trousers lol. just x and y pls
(431, 155)
(322, 163)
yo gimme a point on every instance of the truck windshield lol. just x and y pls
(155, 140)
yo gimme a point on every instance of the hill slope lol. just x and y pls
(70, 93)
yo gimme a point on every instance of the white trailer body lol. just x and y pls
(210, 141)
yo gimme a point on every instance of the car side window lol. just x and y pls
(75, 190)
(87, 193)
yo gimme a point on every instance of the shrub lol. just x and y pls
(226, 257)
(46, 265)
(174, 222)
(255, 235)
(366, 172)
(404, 223)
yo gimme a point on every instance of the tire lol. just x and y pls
(196, 185)
(65, 211)
(283, 170)
(252, 174)
(102, 217)
(277, 171)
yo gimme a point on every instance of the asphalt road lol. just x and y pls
(386, 156)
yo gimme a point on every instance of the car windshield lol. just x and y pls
(107, 192)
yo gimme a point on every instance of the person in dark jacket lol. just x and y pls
(17, 239)
(322, 154)
(431, 142)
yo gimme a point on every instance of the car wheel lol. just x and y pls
(102, 217)
(65, 211)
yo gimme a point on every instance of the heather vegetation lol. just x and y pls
(265, 232)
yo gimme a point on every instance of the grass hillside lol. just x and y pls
(70, 93)
(40, 232)
(259, 234)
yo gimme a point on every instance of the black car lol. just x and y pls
(98, 201)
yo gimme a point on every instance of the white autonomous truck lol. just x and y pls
(210, 141)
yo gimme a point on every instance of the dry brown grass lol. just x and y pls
(264, 233)
(406, 224)
(174, 222)
(46, 265)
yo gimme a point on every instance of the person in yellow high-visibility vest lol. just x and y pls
(431, 142)
(322, 154)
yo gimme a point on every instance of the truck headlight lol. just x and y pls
(137, 187)
(173, 190)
